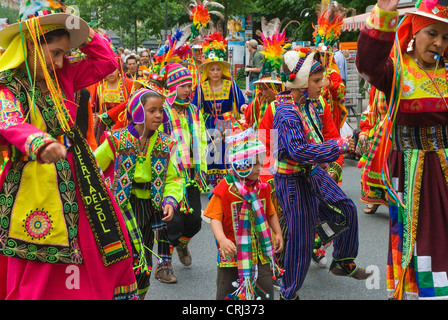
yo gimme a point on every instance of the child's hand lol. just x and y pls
(228, 247)
(168, 213)
(279, 243)
(53, 153)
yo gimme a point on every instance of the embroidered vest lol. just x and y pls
(123, 145)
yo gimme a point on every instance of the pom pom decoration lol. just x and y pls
(431, 4)
(214, 47)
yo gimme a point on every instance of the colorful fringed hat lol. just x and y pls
(242, 149)
(49, 14)
(214, 48)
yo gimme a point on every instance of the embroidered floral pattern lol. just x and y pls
(38, 224)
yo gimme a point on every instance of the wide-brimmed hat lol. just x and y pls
(48, 13)
(427, 12)
(270, 80)
(434, 9)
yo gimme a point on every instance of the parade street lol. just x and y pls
(198, 282)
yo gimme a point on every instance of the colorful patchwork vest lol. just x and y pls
(232, 201)
(123, 144)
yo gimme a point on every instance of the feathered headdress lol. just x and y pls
(274, 47)
(200, 15)
(175, 51)
(329, 22)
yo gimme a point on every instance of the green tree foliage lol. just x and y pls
(7, 13)
(137, 20)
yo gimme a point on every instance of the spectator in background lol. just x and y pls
(254, 68)
(144, 60)
(132, 66)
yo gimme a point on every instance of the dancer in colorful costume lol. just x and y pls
(220, 99)
(413, 144)
(373, 191)
(186, 125)
(60, 217)
(242, 216)
(140, 167)
(305, 191)
(326, 34)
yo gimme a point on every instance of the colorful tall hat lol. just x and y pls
(50, 17)
(177, 75)
(242, 150)
(214, 48)
(297, 66)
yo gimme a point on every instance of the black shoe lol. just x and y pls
(348, 268)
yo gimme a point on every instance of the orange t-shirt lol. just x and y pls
(214, 208)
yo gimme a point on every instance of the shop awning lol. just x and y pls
(358, 22)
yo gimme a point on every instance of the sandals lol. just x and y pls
(371, 208)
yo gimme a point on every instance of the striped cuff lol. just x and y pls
(35, 142)
(170, 200)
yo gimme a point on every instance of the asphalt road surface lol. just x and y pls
(197, 282)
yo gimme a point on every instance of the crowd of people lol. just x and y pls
(105, 156)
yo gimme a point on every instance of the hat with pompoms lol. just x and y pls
(297, 65)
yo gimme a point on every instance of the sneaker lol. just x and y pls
(321, 261)
(348, 268)
(184, 256)
(165, 273)
(278, 282)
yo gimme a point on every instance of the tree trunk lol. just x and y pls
(135, 34)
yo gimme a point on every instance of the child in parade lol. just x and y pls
(186, 125)
(242, 214)
(139, 166)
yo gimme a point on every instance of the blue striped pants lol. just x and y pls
(302, 210)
